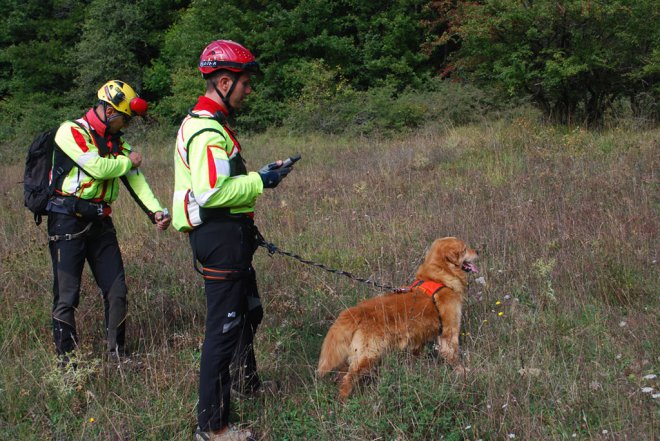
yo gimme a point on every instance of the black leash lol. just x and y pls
(273, 249)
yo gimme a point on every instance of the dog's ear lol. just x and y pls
(453, 256)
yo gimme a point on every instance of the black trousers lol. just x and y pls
(225, 247)
(99, 247)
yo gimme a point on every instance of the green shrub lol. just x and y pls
(383, 110)
(24, 117)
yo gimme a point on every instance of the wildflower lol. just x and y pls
(655, 396)
(468, 428)
(647, 390)
(498, 303)
(500, 313)
(605, 432)
(485, 321)
(512, 435)
(507, 297)
(91, 420)
(622, 324)
(650, 377)
(480, 280)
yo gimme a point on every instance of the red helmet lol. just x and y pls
(229, 55)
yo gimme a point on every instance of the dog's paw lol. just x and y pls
(338, 377)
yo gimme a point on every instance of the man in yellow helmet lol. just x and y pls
(80, 226)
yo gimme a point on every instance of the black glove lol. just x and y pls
(271, 174)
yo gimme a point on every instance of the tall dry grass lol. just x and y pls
(560, 327)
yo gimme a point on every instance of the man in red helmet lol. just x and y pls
(90, 160)
(214, 198)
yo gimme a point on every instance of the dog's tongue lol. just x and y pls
(470, 267)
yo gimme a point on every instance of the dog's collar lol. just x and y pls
(428, 286)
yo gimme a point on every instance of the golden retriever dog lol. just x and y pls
(361, 335)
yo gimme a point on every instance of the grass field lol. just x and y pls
(560, 326)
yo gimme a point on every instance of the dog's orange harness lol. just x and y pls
(428, 286)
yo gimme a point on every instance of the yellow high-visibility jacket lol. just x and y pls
(100, 162)
(209, 173)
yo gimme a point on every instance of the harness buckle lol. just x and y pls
(68, 236)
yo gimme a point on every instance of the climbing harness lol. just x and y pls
(72, 236)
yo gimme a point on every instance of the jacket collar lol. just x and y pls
(99, 126)
(205, 103)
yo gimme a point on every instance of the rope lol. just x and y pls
(273, 249)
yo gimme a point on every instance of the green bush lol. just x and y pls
(572, 58)
(24, 117)
(382, 110)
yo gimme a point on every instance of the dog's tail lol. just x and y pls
(336, 347)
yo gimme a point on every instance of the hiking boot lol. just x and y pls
(231, 434)
(266, 388)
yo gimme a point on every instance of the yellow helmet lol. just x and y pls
(123, 98)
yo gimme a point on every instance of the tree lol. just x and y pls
(573, 57)
(36, 40)
(363, 43)
(119, 41)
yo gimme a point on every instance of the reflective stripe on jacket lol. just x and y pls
(209, 173)
(100, 162)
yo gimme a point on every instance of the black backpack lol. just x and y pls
(43, 155)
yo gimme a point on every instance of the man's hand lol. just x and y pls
(272, 166)
(162, 221)
(273, 173)
(136, 159)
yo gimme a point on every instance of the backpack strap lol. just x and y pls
(62, 163)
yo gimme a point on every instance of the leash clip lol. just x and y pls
(272, 249)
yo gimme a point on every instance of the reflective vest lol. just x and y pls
(209, 174)
(100, 162)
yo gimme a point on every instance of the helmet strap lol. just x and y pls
(225, 98)
(105, 120)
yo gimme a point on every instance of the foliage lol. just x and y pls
(111, 33)
(573, 58)
(576, 60)
(36, 40)
(330, 107)
(55, 54)
(365, 44)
